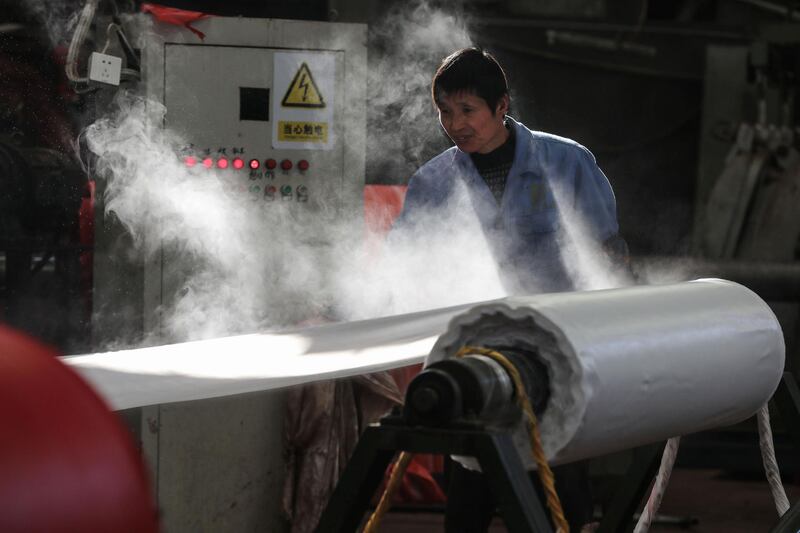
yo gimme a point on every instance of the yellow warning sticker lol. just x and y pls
(303, 91)
(316, 132)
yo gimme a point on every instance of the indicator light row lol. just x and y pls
(238, 163)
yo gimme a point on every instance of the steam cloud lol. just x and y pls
(407, 47)
(232, 272)
(58, 17)
(229, 275)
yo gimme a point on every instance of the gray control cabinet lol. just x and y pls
(276, 109)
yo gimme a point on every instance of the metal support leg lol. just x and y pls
(520, 506)
(619, 517)
(357, 485)
(495, 451)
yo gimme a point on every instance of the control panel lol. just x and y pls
(268, 119)
(276, 111)
(262, 179)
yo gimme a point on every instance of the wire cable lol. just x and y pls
(81, 29)
(110, 27)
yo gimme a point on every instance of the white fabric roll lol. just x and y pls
(627, 366)
(635, 365)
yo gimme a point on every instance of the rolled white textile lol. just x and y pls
(627, 366)
(635, 365)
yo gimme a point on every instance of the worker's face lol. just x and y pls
(470, 123)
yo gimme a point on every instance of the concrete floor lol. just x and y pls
(714, 501)
(720, 503)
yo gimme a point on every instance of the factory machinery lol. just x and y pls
(634, 381)
(602, 371)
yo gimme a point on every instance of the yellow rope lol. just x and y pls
(545, 474)
(391, 487)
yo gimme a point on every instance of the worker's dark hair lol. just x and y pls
(472, 70)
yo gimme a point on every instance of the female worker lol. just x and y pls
(543, 205)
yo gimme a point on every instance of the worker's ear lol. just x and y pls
(502, 106)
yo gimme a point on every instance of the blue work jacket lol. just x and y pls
(553, 190)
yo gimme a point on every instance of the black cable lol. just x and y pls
(40, 264)
(130, 53)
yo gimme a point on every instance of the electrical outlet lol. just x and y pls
(105, 68)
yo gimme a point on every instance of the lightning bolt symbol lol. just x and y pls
(304, 85)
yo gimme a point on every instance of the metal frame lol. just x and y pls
(494, 450)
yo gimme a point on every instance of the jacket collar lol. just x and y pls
(468, 171)
(463, 160)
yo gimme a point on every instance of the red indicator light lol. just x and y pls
(254, 164)
(286, 164)
(190, 161)
(303, 164)
(222, 162)
(208, 162)
(238, 163)
(270, 163)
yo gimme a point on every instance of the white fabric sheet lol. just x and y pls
(627, 366)
(257, 362)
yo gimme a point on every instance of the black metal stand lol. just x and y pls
(495, 451)
(618, 518)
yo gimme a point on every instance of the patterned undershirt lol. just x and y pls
(494, 166)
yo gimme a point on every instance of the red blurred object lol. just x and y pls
(382, 205)
(190, 160)
(178, 17)
(67, 462)
(222, 162)
(270, 164)
(238, 163)
(208, 162)
(303, 164)
(254, 164)
(286, 164)
(418, 484)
